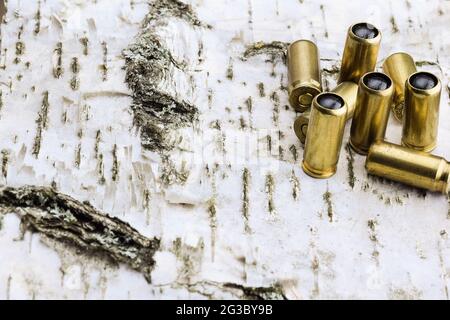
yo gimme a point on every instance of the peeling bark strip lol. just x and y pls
(104, 66)
(274, 292)
(58, 69)
(275, 49)
(20, 46)
(261, 90)
(448, 200)
(37, 26)
(75, 67)
(1, 103)
(148, 61)
(230, 74)
(372, 224)
(116, 164)
(276, 107)
(5, 160)
(270, 189)
(63, 218)
(350, 166)
(207, 289)
(170, 174)
(327, 199)
(245, 198)
(394, 25)
(295, 185)
(42, 123)
(173, 8)
(85, 43)
(212, 212)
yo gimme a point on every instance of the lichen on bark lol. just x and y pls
(274, 292)
(148, 62)
(173, 8)
(275, 50)
(63, 218)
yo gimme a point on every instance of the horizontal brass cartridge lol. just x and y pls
(346, 90)
(399, 66)
(421, 117)
(324, 136)
(360, 52)
(408, 166)
(372, 111)
(303, 74)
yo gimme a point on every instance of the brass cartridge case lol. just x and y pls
(303, 74)
(372, 111)
(360, 52)
(421, 117)
(408, 166)
(324, 136)
(399, 66)
(301, 127)
(346, 90)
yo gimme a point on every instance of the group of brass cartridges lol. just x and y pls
(366, 97)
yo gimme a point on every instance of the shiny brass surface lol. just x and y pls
(360, 54)
(399, 66)
(303, 74)
(408, 166)
(371, 114)
(324, 138)
(346, 90)
(421, 117)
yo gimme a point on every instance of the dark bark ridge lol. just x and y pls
(148, 63)
(63, 218)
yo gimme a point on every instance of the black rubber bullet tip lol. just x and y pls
(365, 30)
(377, 81)
(330, 101)
(423, 80)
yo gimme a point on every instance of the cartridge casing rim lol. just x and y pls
(301, 40)
(382, 93)
(358, 150)
(297, 85)
(426, 149)
(299, 88)
(299, 123)
(375, 40)
(318, 174)
(445, 171)
(335, 112)
(425, 92)
(402, 53)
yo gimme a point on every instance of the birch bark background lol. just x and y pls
(147, 151)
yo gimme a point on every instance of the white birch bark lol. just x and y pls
(235, 215)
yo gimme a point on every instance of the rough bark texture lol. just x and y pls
(63, 218)
(171, 119)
